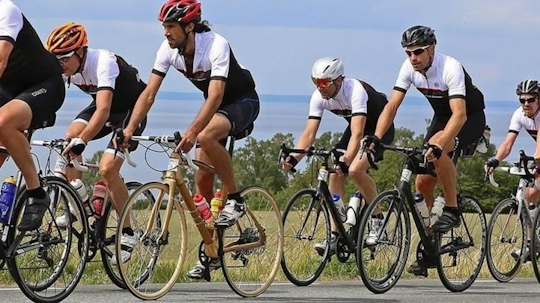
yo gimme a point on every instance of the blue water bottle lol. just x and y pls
(7, 195)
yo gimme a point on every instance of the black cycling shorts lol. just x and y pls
(241, 114)
(378, 153)
(118, 120)
(44, 98)
(471, 131)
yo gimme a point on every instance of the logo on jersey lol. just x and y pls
(346, 113)
(39, 92)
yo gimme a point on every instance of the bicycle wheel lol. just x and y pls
(107, 233)
(156, 260)
(305, 222)
(505, 236)
(382, 264)
(462, 250)
(249, 272)
(535, 249)
(49, 261)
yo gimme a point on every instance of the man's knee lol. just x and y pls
(108, 170)
(425, 184)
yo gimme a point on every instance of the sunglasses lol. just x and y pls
(63, 58)
(528, 100)
(323, 82)
(416, 51)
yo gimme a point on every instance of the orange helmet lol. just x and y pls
(66, 38)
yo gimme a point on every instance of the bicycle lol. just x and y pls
(46, 263)
(306, 219)
(249, 251)
(509, 224)
(102, 226)
(458, 254)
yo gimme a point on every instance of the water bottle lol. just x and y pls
(340, 206)
(215, 206)
(7, 195)
(98, 198)
(421, 208)
(60, 167)
(436, 211)
(532, 210)
(483, 145)
(81, 189)
(354, 203)
(203, 208)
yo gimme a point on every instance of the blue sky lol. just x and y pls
(279, 40)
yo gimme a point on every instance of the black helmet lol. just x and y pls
(418, 35)
(528, 86)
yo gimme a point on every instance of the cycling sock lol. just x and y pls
(377, 216)
(453, 210)
(37, 193)
(235, 196)
(128, 231)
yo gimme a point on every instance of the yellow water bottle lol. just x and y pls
(215, 206)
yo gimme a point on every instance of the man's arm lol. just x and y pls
(5, 50)
(389, 113)
(144, 102)
(216, 90)
(506, 147)
(454, 125)
(99, 118)
(306, 140)
(357, 133)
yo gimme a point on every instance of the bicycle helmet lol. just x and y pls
(528, 86)
(327, 68)
(418, 35)
(182, 11)
(66, 38)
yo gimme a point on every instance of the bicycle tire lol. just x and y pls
(250, 272)
(112, 270)
(402, 231)
(534, 249)
(474, 221)
(35, 289)
(146, 284)
(296, 213)
(499, 256)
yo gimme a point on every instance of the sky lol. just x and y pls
(280, 40)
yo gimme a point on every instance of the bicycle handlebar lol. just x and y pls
(285, 151)
(520, 168)
(163, 140)
(60, 144)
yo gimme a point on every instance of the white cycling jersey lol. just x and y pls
(104, 70)
(446, 79)
(521, 121)
(354, 98)
(213, 59)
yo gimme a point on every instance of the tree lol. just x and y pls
(92, 176)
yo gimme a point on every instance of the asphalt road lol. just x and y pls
(432, 291)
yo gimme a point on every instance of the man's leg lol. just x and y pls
(218, 128)
(15, 117)
(204, 180)
(425, 184)
(447, 175)
(336, 186)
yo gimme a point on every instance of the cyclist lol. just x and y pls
(114, 86)
(231, 102)
(32, 92)
(525, 117)
(360, 105)
(458, 119)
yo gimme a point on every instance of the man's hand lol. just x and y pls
(127, 134)
(434, 152)
(188, 141)
(288, 163)
(370, 142)
(74, 148)
(341, 168)
(490, 165)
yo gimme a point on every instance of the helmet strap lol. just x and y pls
(182, 47)
(81, 60)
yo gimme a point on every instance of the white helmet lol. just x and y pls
(327, 67)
